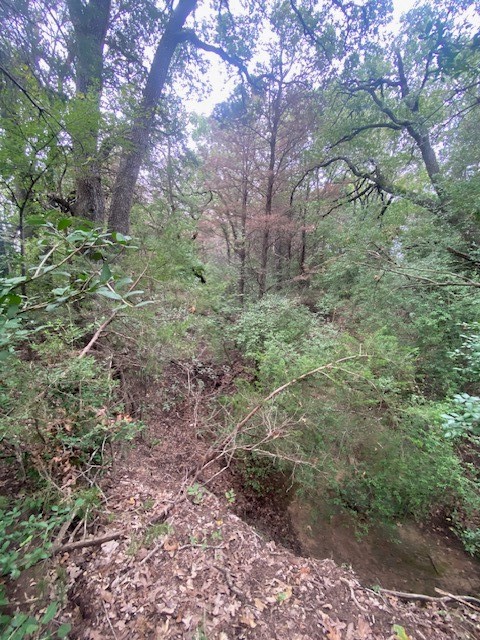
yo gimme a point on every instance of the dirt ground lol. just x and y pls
(185, 565)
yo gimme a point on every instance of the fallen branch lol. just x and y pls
(231, 437)
(98, 333)
(64, 528)
(222, 448)
(105, 324)
(466, 600)
(89, 542)
(403, 595)
(330, 365)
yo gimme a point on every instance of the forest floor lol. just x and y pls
(183, 564)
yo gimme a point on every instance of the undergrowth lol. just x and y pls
(358, 433)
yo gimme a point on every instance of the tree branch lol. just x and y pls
(376, 178)
(189, 35)
(90, 542)
(367, 127)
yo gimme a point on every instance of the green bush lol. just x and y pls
(274, 318)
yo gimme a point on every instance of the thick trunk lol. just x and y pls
(90, 24)
(89, 196)
(133, 157)
(429, 157)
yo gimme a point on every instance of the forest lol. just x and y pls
(244, 235)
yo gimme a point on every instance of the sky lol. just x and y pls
(223, 80)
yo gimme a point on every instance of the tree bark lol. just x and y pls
(275, 121)
(242, 249)
(90, 23)
(133, 157)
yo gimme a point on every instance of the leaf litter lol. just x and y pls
(206, 574)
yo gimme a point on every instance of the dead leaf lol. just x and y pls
(247, 619)
(364, 630)
(187, 621)
(259, 604)
(170, 545)
(107, 596)
(109, 548)
(332, 627)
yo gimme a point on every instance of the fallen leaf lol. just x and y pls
(110, 547)
(364, 630)
(259, 604)
(400, 632)
(247, 619)
(107, 596)
(170, 546)
(187, 621)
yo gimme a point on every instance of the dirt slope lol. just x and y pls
(204, 573)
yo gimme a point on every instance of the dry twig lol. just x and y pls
(89, 542)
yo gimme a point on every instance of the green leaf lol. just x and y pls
(14, 299)
(400, 632)
(144, 303)
(49, 613)
(108, 293)
(85, 225)
(123, 281)
(64, 223)
(35, 220)
(12, 311)
(106, 273)
(19, 619)
(51, 306)
(63, 630)
(30, 626)
(120, 238)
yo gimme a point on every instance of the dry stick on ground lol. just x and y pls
(64, 528)
(90, 542)
(217, 451)
(111, 317)
(403, 595)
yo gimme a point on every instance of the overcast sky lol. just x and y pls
(223, 83)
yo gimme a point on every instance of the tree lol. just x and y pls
(98, 67)
(400, 106)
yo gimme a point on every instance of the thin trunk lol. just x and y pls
(133, 157)
(303, 242)
(170, 184)
(21, 233)
(242, 251)
(262, 284)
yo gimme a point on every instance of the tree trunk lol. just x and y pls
(269, 197)
(90, 24)
(429, 156)
(242, 250)
(133, 157)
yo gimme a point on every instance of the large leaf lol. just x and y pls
(108, 293)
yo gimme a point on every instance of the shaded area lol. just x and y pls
(405, 557)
